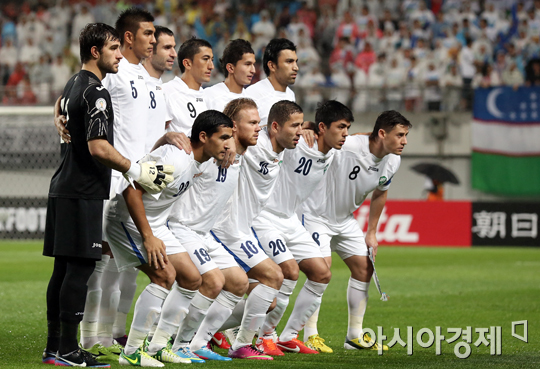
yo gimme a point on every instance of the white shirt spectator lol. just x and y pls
(8, 55)
(80, 21)
(466, 62)
(342, 90)
(60, 75)
(30, 52)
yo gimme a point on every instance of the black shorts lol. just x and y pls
(73, 228)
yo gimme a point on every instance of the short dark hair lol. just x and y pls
(209, 121)
(95, 34)
(234, 52)
(189, 49)
(274, 47)
(235, 106)
(158, 32)
(129, 20)
(387, 120)
(331, 111)
(282, 110)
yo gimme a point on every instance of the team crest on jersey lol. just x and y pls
(101, 104)
(382, 180)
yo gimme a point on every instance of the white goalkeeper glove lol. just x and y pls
(152, 178)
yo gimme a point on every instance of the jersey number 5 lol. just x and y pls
(133, 89)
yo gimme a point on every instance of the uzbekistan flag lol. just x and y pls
(506, 141)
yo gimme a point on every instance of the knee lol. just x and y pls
(192, 282)
(164, 278)
(290, 270)
(272, 276)
(212, 284)
(237, 285)
(322, 276)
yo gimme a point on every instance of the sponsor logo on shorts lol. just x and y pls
(96, 245)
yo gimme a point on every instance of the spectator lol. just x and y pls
(310, 87)
(486, 78)
(263, 31)
(8, 59)
(423, 15)
(451, 83)
(512, 76)
(387, 22)
(61, 74)
(363, 19)
(360, 85)
(25, 94)
(343, 54)
(80, 20)
(15, 78)
(241, 30)
(533, 74)
(341, 90)
(467, 70)
(308, 16)
(30, 52)
(365, 58)
(308, 58)
(284, 18)
(412, 86)
(376, 83)
(482, 57)
(294, 28)
(373, 35)
(395, 82)
(432, 91)
(349, 29)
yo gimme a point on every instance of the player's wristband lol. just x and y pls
(134, 171)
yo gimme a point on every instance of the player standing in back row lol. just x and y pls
(364, 164)
(238, 66)
(280, 64)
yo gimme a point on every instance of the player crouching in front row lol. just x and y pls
(139, 237)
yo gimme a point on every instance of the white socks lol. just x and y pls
(257, 304)
(147, 308)
(109, 303)
(357, 296)
(128, 287)
(308, 300)
(197, 312)
(174, 310)
(91, 308)
(310, 328)
(218, 313)
(236, 317)
(273, 318)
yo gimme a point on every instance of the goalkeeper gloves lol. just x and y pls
(152, 178)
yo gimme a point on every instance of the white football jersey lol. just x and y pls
(204, 202)
(158, 206)
(157, 111)
(218, 96)
(130, 99)
(354, 173)
(264, 95)
(303, 169)
(183, 105)
(258, 174)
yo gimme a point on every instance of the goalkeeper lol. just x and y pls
(77, 190)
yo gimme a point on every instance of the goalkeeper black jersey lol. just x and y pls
(88, 109)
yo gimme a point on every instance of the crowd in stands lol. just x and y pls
(370, 54)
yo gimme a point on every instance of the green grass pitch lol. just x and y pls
(428, 287)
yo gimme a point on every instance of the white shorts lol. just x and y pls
(346, 238)
(246, 250)
(127, 246)
(285, 238)
(205, 252)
